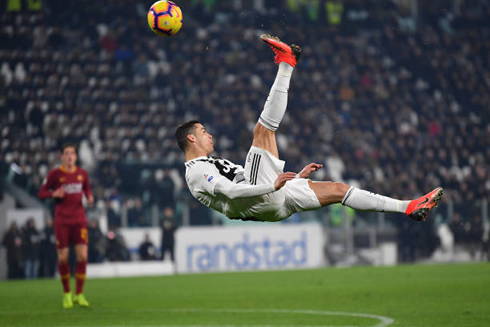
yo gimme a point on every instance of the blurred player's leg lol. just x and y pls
(329, 193)
(81, 250)
(64, 270)
(275, 106)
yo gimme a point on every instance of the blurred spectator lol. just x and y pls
(406, 241)
(135, 213)
(164, 188)
(12, 240)
(459, 230)
(48, 250)
(31, 247)
(147, 249)
(475, 237)
(113, 216)
(97, 242)
(168, 233)
(116, 247)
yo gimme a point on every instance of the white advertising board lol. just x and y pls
(255, 247)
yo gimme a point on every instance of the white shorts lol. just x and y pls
(261, 167)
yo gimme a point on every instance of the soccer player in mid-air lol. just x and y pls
(262, 191)
(66, 185)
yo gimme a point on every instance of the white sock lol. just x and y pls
(277, 101)
(367, 201)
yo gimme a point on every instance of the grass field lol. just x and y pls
(441, 295)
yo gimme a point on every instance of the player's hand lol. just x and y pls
(59, 193)
(90, 200)
(282, 179)
(309, 169)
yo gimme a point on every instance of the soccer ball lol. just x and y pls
(165, 18)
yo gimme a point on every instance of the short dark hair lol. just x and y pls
(68, 145)
(182, 131)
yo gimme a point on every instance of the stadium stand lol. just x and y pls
(391, 105)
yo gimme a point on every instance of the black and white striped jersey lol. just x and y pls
(220, 184)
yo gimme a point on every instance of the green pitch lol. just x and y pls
(442, 295)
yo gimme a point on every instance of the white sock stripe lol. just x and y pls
(266, 124)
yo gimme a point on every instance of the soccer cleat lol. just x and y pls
(80, 300)
(67, 302)
(284, 53)
(419, 209)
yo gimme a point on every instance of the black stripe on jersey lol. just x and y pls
(255, 169)
(252, 170)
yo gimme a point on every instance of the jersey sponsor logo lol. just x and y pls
(73, 188)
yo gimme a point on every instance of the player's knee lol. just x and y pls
(260, 131)
(340, 189)
(263, 137)
(82, 258)
(62, 257)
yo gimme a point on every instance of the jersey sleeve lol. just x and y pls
(237, 191)
(86, 186)
(46, 189)
(204, 177)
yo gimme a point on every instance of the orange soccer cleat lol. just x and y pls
(284, 53)
(418, 209)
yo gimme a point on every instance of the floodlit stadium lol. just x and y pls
(115, 212)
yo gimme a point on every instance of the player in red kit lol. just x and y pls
(66, 185)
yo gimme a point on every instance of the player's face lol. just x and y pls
(204, 139)
(69, 157)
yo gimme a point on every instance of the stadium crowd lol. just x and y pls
(31, 251)
(394, 106)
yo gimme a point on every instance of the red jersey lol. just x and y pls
(69, 209)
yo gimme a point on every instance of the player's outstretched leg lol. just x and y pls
(418, 209)
(286, 56)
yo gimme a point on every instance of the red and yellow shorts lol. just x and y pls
(67, 234)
